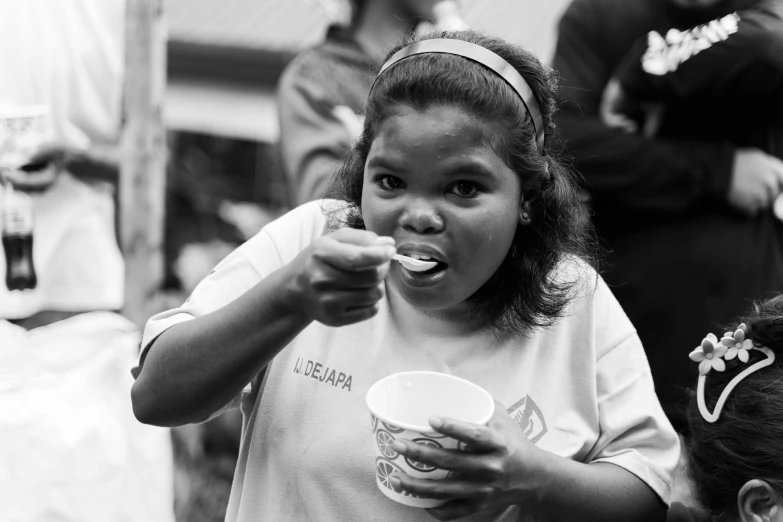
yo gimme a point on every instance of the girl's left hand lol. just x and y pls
(496, 469)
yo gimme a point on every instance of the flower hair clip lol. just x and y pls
(709, 355)
(712, 354)
(737, 344)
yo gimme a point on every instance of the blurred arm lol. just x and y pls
(728, 47)
(313, 139)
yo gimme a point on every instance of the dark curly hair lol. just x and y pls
(746, 442)
(523, 293)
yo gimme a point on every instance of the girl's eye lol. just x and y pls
(387, 182)
(465, 189)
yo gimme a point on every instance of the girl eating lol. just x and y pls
(453, 168)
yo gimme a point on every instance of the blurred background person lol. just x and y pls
(685, 203)
(737, 56)
(322, 92)
(68, 58)
(70, 445)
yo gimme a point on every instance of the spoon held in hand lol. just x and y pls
(414, 265)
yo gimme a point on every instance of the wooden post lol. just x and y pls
(143, 160)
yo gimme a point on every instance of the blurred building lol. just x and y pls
(225, 56)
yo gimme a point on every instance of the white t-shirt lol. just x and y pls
(581, 389)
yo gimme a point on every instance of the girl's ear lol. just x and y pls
(757, 501)
(525, 215)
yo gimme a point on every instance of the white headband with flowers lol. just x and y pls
(710, 356)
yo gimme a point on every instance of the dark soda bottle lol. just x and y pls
(17, 232)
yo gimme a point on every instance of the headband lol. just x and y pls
(710, 356)
(486, 58)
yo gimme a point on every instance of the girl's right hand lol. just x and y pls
(338, 279)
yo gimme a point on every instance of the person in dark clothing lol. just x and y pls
(739, 55)
(322, 92)
(686, 213)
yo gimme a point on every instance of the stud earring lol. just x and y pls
(525, 216)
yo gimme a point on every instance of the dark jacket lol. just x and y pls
(682, 261)
(734, 62)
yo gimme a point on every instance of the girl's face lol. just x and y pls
(432, 183)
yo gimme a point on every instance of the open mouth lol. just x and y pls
(421, 264)
(437, 267)
(434, 270)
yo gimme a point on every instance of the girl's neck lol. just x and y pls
(380, 27)
(455, 323)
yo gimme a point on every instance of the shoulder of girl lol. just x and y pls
(311, 212)
(573, 270)
(308, 221)
(335, 213)
(679, 512)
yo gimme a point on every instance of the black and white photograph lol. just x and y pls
(391, 260)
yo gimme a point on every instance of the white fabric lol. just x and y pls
(77, 260)
(67, 55)
(581, 389)
(71, 449)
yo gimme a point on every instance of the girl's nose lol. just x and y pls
(422, 217)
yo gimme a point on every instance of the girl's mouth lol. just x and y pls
(437, 268)
(415, 264)
(424, 278)
(420, 276)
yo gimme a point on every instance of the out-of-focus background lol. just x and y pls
(141, 141)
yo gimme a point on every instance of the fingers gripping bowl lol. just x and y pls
(400, 406)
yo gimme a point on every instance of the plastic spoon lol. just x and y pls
(414, 265)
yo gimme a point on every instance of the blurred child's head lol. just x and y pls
(448, 159)
(737, 462)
